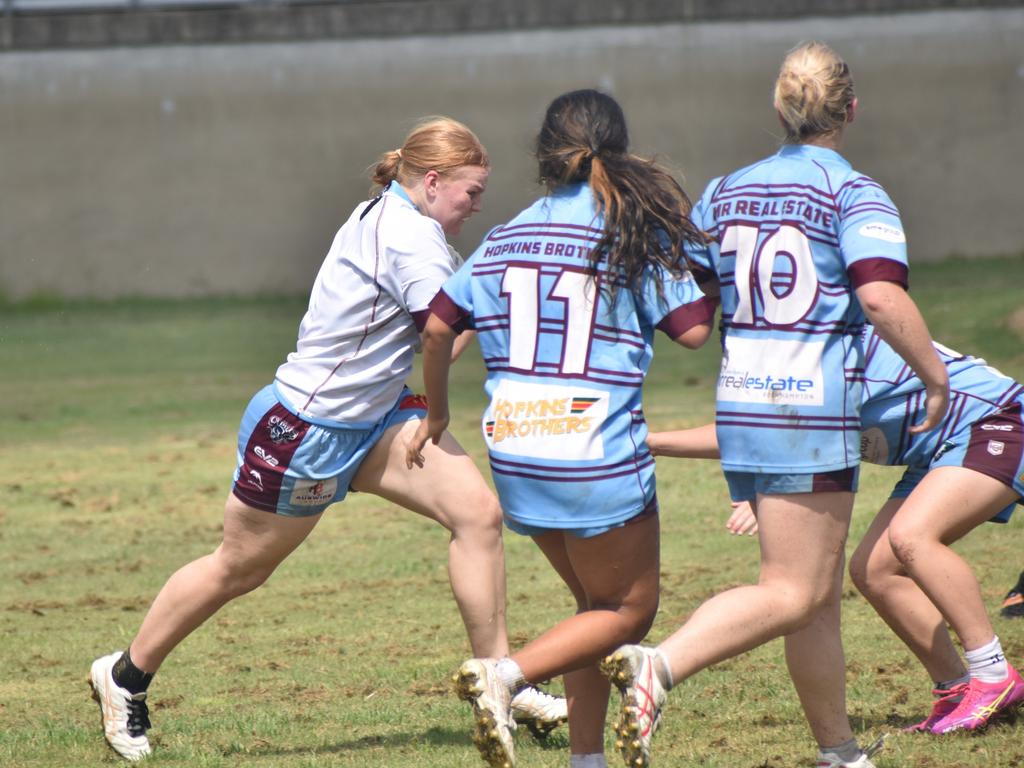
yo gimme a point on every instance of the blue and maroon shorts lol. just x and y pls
(993, 446)
(295, 468)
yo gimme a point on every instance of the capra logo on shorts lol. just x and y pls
(996, 447)
(280, 430)
(312, 493)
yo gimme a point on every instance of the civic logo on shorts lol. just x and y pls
(280, 430)
(996, 447)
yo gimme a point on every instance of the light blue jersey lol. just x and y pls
(796, 234)
(564, 427)
(894, 402)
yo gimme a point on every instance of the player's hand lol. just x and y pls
(430, 428)
(654, 443)
(936, 403)
(743, 519)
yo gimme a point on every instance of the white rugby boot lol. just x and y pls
(125, 716)
(478, 682)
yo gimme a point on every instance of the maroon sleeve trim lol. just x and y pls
(878, 270)
(680, 320)
(451, 313)
(420, 319)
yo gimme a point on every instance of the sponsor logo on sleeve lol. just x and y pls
(880, 231)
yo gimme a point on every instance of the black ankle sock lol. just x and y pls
(130, 677)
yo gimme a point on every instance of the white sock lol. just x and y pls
(988, 664)
(590, 760)
(847, 752)
(511, 675)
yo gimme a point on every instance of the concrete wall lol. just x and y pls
(35, 24)
(219, 169)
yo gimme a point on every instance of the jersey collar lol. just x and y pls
(811, 152)
(396, 189)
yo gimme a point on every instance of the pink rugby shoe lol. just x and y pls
(982, 702)
(945, 703)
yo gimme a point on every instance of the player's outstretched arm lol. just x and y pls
(696, 443)
(462, 341)
(898, 321)
(438, 340)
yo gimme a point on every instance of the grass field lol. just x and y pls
(118, 445)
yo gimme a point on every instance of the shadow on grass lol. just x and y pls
(434, 737)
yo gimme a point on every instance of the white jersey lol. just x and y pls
(358, 336)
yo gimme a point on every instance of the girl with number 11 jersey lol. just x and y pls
(565, 299)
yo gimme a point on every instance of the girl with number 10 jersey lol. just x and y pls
(803, 249)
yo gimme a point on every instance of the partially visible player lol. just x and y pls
(1013, 603)
(805, 247)
(967, 471)
(565, 299)
(337, 417)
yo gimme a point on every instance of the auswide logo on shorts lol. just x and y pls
(310, 493)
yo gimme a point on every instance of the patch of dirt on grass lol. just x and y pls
(1015, 322)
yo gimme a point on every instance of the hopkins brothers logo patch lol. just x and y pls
(548, 421)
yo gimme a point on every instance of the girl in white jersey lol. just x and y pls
(565, 300)
(805, 248)
(337, 417)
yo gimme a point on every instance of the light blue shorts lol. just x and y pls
(581, 533)
(291, 467)
(744, 486)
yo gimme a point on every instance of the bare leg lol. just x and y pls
(450, 490)
(947, 504)
(254, 544)
(614, 578)
(802, 540)
(881, 578)
(817, 666)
